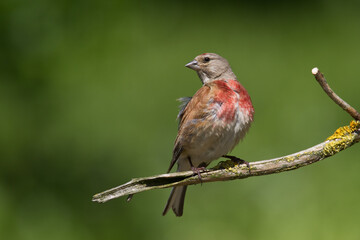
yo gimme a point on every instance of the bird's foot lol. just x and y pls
(238, 161)
(197, 171)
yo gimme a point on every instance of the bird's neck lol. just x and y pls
(205, 78)
(226, 75)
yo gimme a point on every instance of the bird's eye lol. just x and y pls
(206, 59)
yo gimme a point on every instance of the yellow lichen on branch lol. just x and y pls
(344, 136)
(345, 131)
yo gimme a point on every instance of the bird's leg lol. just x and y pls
(238, 160)
(196, 170)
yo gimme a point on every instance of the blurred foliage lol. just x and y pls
(87, 101)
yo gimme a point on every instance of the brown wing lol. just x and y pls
(183, 103)
(195, 110)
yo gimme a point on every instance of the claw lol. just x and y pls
(238, 160)
(197, 171)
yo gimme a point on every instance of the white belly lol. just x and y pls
(213, 142)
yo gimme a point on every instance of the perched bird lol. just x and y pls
(211, 123)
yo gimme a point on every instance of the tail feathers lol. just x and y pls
(176, 201)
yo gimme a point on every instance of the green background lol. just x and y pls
(88, 101)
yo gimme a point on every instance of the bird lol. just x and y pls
(211, 123)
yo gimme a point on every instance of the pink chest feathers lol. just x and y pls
(231, 97)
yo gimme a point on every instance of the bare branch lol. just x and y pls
(228, 170)
(343, 138)
(344, 105)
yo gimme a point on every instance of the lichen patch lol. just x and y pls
(342, 138)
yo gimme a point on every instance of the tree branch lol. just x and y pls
(343, 138)
(344, 105)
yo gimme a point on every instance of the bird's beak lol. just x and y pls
(193, 65)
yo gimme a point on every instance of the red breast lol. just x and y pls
(229, 94)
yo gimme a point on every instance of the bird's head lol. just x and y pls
(211, 67)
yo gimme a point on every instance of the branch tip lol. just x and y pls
(325, 86)
(315, 71)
